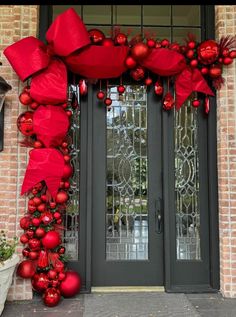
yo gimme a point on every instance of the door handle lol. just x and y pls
(158, 216)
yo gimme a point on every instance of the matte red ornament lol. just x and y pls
(71, 285)
(190, 54)
(191, 44)
(139, 51)
(165, 42)
(47, 217)
(227, 61)
(40, 232)
(158, 88)
(40, 282)
(195, 103)
(43, 259)
(168, 102)
(37, 201)
(232, 54)
(121, 89)
(51, 240)
(67, 171)
(62, 197)
(24, 239)
(25, 98)
(50, 125)
(137, 73)
(52, 274)
(151, 43)
(34, 105)
(194, 62)
(108, 42)
(83, 88)
(36, 222)
(61, 276)
(101, 95)
(51, 297)
(96, 36)
(25, 222)
(34, 244)
(120, 39)
(26, 269)
(42, 207)
(25, 123)
(215, 71)
(130, 62)
(52, 204)
(208, 51)
(33, 255)
(57, 215)
(108, 102)
(204, 70)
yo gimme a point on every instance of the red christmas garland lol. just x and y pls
(93, 56)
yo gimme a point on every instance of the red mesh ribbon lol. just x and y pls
(186, 82)
(44, 165)
(50, 125)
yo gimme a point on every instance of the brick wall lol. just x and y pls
(226, 137)
(16, 22)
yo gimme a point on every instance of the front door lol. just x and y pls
(127, 220)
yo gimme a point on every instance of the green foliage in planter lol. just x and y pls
(7, 247)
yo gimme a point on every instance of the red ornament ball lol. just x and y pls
(71, 285)
(120, 39)
(40, 282)
(158, 88)
(215, 71)
(67, 171)
(25, 98)
(108, 102)
(51, 240)
(130, 62)
(139, 51)
(36, 222)
(137, 73)
(227, 61)
(101, 95)
(46, 217)
(191, 44)
(194, 63)
(24, 239)
(51, 297)
(121, 89)
(83, 88)
(25, 222)
(165, 43)
(25, 123)
(40, 232)
(34, 244)
(151, 43)
(33, 255)
(232, 54)
(208, 51)
(107, 42)
(195, 103)
(190, 54)
(26, 252)
(204, 70)
(34, 105)
(62, 197)
(148, 81)
(52, 274)
(96, 36)
(26, 269)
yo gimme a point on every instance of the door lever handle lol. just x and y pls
(158, 216)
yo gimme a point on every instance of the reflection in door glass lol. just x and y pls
(126, 201)
(187, 184)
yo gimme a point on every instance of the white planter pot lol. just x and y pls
(6, 273)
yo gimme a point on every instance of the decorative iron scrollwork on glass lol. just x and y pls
(187, 183)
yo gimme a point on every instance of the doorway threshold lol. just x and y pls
(127, 289)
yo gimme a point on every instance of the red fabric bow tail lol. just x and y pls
(44, 165)
(43, 259)
(186, 82)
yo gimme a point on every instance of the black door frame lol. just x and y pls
(210, 199)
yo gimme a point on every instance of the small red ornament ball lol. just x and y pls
(208, 51)
(40, 232)
(227, 61)
(232, 54)
(158, 88)
(151, 43)
(194, 63)
(215, 71)
(51, 240)
(130, 62)
(40, 282)
(148, 81)
(51, 297)
(62, 197)
(24, 239)
(96, 36)
(26, 269)
(121, 89)
(165, 42)
(101, 95)
(139, 51)
(108, 101)
(204, 70)
(137, 73)
(34, 244)
(25, 123)
(71, 285)
(120, 39)
(195, 103)
(107, 42)
(25, 222)
(25, 98)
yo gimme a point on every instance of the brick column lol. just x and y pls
(16, 22)
(226, 143)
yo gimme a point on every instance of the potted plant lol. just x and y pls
(8, 262)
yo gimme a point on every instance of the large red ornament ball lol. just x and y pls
(96, 36)
(25, 222)
(40, 282)
(25, 123)
(62, 197)
(137, 73)
(51, 297)
(51, 240)
(26, 269)
(208, 51)
(139, 51)
(71, 285)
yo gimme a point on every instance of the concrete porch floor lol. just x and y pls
(157, 304)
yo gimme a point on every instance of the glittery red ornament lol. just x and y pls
(25, 123)
(25, 98)
(121, 89)
(137, 73)
(51, 240)
(34, 244)
(62, 197)
(168, 102)
(40, 282)
(26, 269)
(47, 217)
(208, 51)
(139, 51)
(96, 36)
(195, 103)
(120, 39)
(61, 276)
(108, 102)
(158, 88)
(52, 204)
(25, 222)
(101, 95)
(130, 62)
(71, 284)
(51, 297)
(83, 88)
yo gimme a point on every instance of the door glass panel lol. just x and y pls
(126, 200)
(186, 15)
(62, 8)
(187, 184)
(179, 34)
(156, 15)
(125, 14)
(93, 14)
